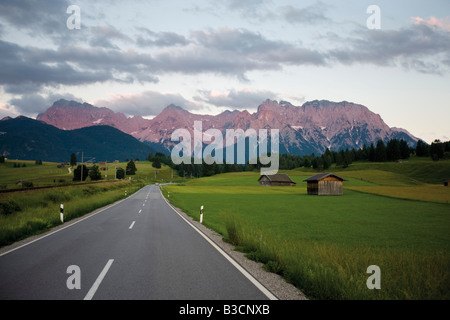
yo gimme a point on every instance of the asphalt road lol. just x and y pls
(139, 248)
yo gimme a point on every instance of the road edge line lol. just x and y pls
(247, 274)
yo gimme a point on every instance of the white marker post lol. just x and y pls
(61, 213)
(201, 214)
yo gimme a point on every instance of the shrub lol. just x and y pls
(27, 184)
(57, 197)
(9, 207)
(120, 173)
(95, 174)
(77, 174)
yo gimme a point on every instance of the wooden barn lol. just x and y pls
(276, 180)
(325, 184)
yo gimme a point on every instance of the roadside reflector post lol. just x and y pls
(201, 214)
(125, 193)
(61, 213)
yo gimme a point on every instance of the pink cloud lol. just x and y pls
(432, 21)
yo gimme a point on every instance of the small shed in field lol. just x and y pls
(276, 180)
(325, 184)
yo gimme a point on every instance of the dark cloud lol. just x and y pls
(244, 99)
(147, 103)
(258, 51)
(33, 66)
(43, 17)
(33, 104)
(309, 15)
(103, 36)
(417, 47)
(47, 19)
(22, 88)
(149, 38)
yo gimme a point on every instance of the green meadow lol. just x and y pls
(324, 244)
(49, 174)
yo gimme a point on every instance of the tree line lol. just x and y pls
(392, 150)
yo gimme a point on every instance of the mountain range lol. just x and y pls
(306, 129)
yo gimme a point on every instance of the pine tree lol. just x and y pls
(73, 160)
(437, 150)
(131, 168)
(371, 153)
(380, 151)
(404, 149)
(422, 149)
(156, 163)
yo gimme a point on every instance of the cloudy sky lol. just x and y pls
(208, 56)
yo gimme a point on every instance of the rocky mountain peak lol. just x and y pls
(312, 127)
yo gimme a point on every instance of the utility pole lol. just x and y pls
(81, 166)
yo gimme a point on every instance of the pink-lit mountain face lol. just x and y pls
(306, 129)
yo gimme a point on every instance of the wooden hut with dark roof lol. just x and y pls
(325, 184)
(276, 180)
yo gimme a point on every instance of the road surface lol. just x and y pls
(139, 248)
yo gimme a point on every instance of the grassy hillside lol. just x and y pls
(324, 244)
(25, 138)
(415, 170)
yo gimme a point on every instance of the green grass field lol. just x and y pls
(48, 174)
(323, 245)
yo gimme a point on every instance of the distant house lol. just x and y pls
(275, 180)
(325, 184)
